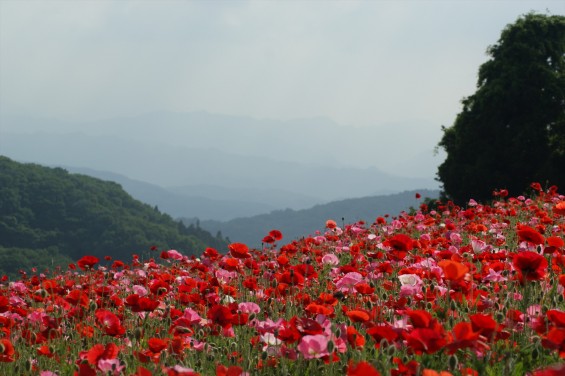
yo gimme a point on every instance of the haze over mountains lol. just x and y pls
(295, 224)
(243, 165)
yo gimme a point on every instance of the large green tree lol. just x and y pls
(511, 132)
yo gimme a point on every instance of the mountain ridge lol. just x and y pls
(298, 223)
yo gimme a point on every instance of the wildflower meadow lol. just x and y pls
(439, 290)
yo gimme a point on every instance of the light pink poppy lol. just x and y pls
(313, 346)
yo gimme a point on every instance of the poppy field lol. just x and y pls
(442, 290)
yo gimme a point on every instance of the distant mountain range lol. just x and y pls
(399, 149)
(191, 206)
(204, 201)
(298, 223)
(226, 167)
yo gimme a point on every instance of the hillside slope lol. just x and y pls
(298, 223)
(51, 215)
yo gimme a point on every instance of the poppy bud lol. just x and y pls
(182, 329)
(331, 347)
(535, 353)
(138, 333)
(453, 361)
(384, 343)
(29, 366)
(92, 305)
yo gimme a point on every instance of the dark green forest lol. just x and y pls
(50, 218)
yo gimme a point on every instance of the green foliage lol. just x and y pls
(512, 130)
(48, 211)
(12, 260)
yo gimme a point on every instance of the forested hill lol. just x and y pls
(51, 217)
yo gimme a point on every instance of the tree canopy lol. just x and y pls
(54, 217)
(511, 131)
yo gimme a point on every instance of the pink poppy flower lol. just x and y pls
(330, 259)
(313, 346)
(348, 282)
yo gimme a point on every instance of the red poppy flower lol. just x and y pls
(485, 325)
(463, 337)
(291, 277)
(401, 244)
(222, 370)
(141, 304)
(77, 297)
(330, 223)
(109, 322)
(357, 315)
(431, 372)
(45, 351)
(85, 330)
(156, 345)
(361, 369)
(381, 332)
(180, 371)
(276, 234)
(283, 260)
(559, 208)
(98, 351)
(221, 315)
(420, 318)
(355, 339)
(87, 262)
(251, 283)
(239, 250)
(306, 326)
(84, 369)
(306, 270)
(142, 371)
(268, 239)
(453, 270)
(553, 370)
(423, 340)
(364, 288)
(555, 241)
(230, 264)
(211, 253)
(530, 265)
(536, 186)
(530, 235)
(318, 309)
(7, 351)
(556, 317)
(555, 340)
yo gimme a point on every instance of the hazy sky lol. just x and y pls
(358, 63)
